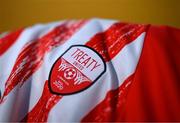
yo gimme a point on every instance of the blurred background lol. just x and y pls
(19, 13)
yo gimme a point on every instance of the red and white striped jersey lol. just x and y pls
(90, 71)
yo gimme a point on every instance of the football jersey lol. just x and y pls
(93, 70)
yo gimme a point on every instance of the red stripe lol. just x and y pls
(41, 110)
(7, 41)
(111, 107)
(155, 92)
(108, 44)
(31, 56)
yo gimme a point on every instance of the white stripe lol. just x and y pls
(81, 37)
(2, 35)
(75, 107)
(32, 88)
(7, 61)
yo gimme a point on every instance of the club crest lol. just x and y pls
(76, 70)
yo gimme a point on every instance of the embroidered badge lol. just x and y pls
(76, 70)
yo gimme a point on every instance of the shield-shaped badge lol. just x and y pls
(76, 70)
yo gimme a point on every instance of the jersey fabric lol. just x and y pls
(92, 70)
